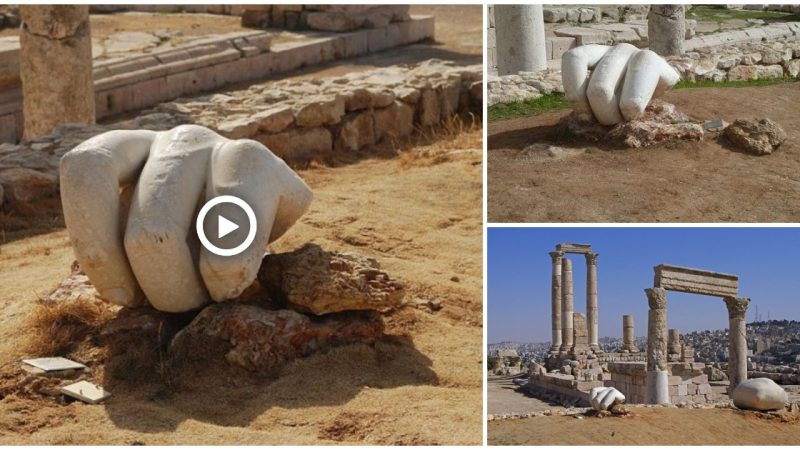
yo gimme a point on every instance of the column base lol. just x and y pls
(596, 349)
(657, 387)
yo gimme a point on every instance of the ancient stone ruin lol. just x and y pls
(665, 372)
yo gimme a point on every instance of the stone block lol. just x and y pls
(428, 109)
(704, 389)
(585, 36)
(700, 379)
(561, 45)
(394, 122)
(300, 145)
(377, 40)
(357, 131)
(696, 281)
(793, 68)
(275, 119)
(773, 71)
(683, 389)
(323, 110)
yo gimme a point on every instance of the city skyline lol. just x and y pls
(519, 276)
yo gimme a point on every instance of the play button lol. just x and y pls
(225, 227)
(233, 232)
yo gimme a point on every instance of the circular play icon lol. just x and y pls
(225, 224)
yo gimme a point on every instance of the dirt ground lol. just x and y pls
(650, 426)
(419, 214)
(688, 182)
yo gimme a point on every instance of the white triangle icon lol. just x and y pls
(225, 227)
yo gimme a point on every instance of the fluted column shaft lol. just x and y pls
(567, 305)
(591, 300)
(556, 300)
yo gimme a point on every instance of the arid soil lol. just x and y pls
(419, 213)
(650, 426)
(703, 181)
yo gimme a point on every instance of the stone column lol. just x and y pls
(520, 39)
(55, 67)
(567, 300)
(657, 386)
(628, 336)
(591, 301)
(556, 301)
(666, 29)
(580, 339)
(674, 341)
(737, 342)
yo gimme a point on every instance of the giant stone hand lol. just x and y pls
(130, 199)
(603, 398)
(623, 81)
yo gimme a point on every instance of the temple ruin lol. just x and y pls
(663, 372)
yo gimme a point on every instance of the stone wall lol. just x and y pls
(298, 120)
(292, 17)
(687, 382)
(766, 52)
(142, 81)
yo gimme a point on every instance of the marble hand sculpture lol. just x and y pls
(130, 199)
(623, 80)
(603, 398)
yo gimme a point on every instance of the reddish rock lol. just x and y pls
(660, 123)
(260, 340)
(311, 279)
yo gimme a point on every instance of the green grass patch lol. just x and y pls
(719, 14)
(733, 84)
(528, 107)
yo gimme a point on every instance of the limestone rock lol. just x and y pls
(311, 279)
(26, 185)
(76, 286)
(759, 137)
(394, 122)
(761, 394)
(661, 122)
(260, 340)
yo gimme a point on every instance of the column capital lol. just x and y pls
(656, 297)
(591, 258)
(737, 306)
(556, 256)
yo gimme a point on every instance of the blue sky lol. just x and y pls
(767, 261)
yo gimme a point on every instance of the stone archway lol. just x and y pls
(693, 281)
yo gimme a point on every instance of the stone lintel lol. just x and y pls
(695, 281)
(574, 248)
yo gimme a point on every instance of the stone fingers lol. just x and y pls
(247, 170)
(575, 66)
(606, 83)
(91, 177)
(160, 239)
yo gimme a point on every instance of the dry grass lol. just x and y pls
(435, 145)
(58, 329)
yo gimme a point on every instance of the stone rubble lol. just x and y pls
(299, 121)
(660, 123)
(757, 136)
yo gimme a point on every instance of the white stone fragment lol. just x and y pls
(761, 394)
(603, 398)
(86, 392)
